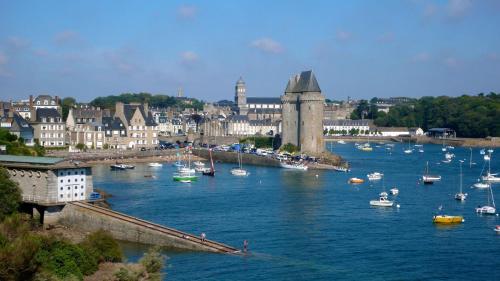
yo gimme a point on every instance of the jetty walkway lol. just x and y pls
(128, 228)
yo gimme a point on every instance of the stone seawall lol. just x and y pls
(232, 157)
(87, 218)
(327, 163)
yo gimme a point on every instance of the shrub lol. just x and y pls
(290, 148)
(103, 247)
(10, 194)
(153, 262)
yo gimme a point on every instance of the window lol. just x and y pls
(61, 196)
(81, 193)
(61, 188)
(76, 194)
(69, 187)
(69, 181)
(81, 172)
(81, 187)
(81, 179)
(61, 181)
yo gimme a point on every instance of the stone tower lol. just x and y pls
(303, 114)
(240, 97)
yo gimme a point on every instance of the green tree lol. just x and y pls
(102, 247)
(66, 104)
(10, 194)
(290, 148)
(81, 146)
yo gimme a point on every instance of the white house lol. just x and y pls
(346, 125)
(393, 131)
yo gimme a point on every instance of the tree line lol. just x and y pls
(470, 116)
(161, 101)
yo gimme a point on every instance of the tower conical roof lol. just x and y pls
(292, 83)
(240, 81)
(307, 83)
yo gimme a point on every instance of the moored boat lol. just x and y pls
(382, 201)
(356, 180)
(118, 167)
(341, 169)
(446, 219)
(375, 176)
(155, 164)
(394, 191)
(293, 166)
(428, 178)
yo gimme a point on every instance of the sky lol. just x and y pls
(357, 49)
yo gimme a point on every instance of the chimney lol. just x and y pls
(146, 108)
(57, 100)
(31, 101)
(119, 109)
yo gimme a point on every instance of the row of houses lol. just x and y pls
(366, 127)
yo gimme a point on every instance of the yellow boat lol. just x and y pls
(366, 148)
(444, 219)
(356, 180)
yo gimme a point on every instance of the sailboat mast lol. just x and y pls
(460, 176)
(470, 158)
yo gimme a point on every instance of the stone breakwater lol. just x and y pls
(326, 163)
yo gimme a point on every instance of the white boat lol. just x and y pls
(382, 202)
(486, 158)
(481, 185)
(490, 151)
(293, 166)
(428, 178)
(460, 196)
(394, 191)
(450, 147)
(489, 208)
(117, 167)
(421, 150)
(449, 156)
(446, 161)
(155, 164)
(489, 177)
(341, 169)
(198, 164)
(186, 170)
(497, 229)
(409, 150)
(375, 176)
(482, 151)
(383, 194)
(239, 171)
(341, 142)
(200, 169)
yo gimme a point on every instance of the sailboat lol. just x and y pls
(178, 163)
(461, 196)
(444, 147)
(185, 174)
(489, 177)
(209, 171)
(481, 184)
(409, 150)
(428, 178)
(488, 209)
(239, 171)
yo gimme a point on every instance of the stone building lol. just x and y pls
(302, 113)
(256, 108)
(49, 128)
(142, 130)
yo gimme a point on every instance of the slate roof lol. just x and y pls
(238, 118)
(129, 109)
(113, 123)
(86, 113)
(305, 82)
(46, 112)
(347, 122)
(263, 100)
(30, 159)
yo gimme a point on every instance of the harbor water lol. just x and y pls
(314, 225)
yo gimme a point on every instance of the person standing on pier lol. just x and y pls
(245, 246)
(203, 236)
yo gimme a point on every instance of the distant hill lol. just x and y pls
(161, 101)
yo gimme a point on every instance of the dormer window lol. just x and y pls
(45, 102)
(53, 103)
(38, 102)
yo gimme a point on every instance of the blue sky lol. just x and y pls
(360, 49)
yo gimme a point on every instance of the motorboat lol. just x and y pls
(449, 156)
(497, 229)
(428, 178)
(341, 142)
(450, 147)
(421, 150)
(155, 164)
(383, 194)
(366, 148)
(408, 151)
(446, 219)
(177, 164)
(394, 191)
(119, 167)
(382, 201)
(356, 180)
(375, 176)
(198, 164)
(481, 185)
(341, 169)
(293, 166)
(239, 172)
(460, 196)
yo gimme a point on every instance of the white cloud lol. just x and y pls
(189, 57)
(458, 8)
(267, 45)
(186, 12)
(451, 61)
(343, 35)
(421, 57)
(67, 37)
(3, 58)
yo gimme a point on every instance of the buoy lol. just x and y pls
(398, 205)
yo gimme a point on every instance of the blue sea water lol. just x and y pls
(314, 225)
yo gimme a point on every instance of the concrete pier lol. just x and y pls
(88, 218)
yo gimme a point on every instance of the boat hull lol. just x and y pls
(377, 203)
(443, 219)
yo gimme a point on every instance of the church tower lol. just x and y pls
(240, 97)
